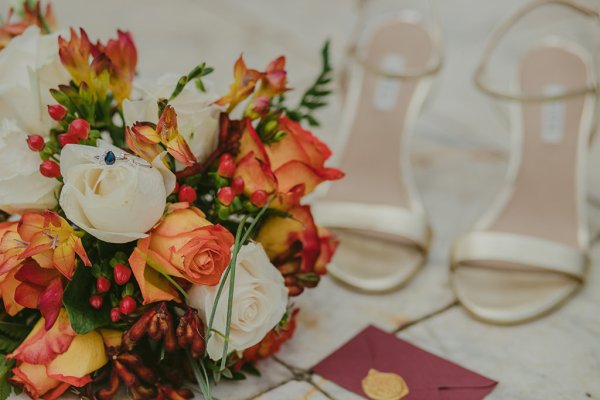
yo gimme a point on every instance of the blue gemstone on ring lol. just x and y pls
(110, 158)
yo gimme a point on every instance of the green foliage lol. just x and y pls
(83, 317)
(316, 96)
(196, 74)
(5, 369)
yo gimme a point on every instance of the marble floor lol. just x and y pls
(459, 158)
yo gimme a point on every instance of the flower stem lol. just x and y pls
(167, 277)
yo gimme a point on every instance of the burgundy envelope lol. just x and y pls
(428, 376)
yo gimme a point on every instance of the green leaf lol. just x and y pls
(5, 370)
(7, 344)
(316, 96)
(83, 317)
(13, 330)
(250, 369)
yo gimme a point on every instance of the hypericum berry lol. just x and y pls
(122, 274)
(127, 305)
(50, 169)
(115, 315)
(237, 184)
(35, 142)
(176, 189)
(80, 128)
(67, 138)
(259, 198)
(57, 112)
(102, 285)
(96, 301)
(225, 195)
(226, 166)
(187, 194)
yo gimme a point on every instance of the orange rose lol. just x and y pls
(184, 245)
(49, 361)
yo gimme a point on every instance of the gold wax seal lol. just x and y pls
(384, 386)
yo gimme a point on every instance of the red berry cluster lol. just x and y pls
(126, 305)
(232, 187)
(79, 129)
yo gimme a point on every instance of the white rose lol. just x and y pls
(116, 203)
(29, 68)
(259, 302)
(197, 118)
(22, 187)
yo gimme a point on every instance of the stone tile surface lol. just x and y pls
(459, 158)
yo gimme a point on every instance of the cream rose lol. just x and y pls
(197, 118)
(116, 203)
(259, 302)
(29, 68)
(22, 187)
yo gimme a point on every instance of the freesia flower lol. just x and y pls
(101, 67)
(51, 360)
(243, 85)
(22, 186)
(184, 245)
(197, 117)
(259, 302)
(31, 15)
(144, 140)
(115, 202)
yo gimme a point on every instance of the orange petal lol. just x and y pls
(153, 285)
(293, 173)
(257, 175)
(42, 346)
(8, 286)
(35, 381)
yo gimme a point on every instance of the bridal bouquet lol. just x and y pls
(153, 232)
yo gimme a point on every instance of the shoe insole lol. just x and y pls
(543, 201)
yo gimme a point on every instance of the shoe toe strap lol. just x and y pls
(382, 219)
(530, 252)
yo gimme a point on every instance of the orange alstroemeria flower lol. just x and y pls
(51, 360)
(145, 140)
(245, 80)
(27, 283)
(184, 245)
(51, 236)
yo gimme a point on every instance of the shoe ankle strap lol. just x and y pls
(479, 76)
(354, 56)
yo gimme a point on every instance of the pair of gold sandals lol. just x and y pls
(528, 253)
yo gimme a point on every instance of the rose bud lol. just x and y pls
(96, 301)
(187, 194)
(226, 166)
(225, 195)
(237, 184)
(80, 128)
(259, 198)
(57, 112)
(115, 315)
(102, 285)
(127, 305)
(50, 169)
(35, 142)
(67, 138)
